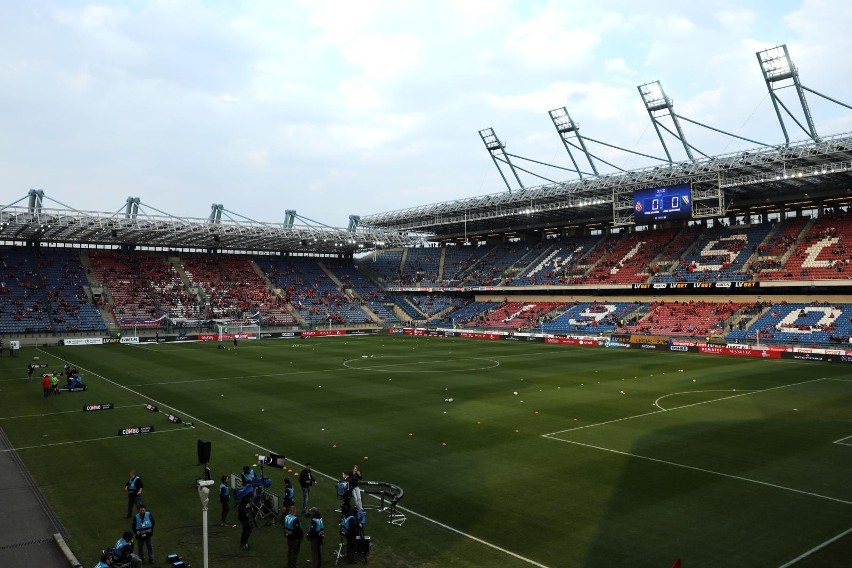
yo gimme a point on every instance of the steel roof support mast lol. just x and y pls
(659, 105)
(776, 65)
(565, 126)
(498, 152)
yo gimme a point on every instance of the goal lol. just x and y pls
(226, 331)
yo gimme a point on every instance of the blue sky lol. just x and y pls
(337, 108)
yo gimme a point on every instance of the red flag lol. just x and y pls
(676, 563)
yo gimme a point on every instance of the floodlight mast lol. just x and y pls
(658, 104)
(497, 150)
(216, 213)
(35, 202)
(353, 223)
(776, 65)
(132, 209)
(565, 126)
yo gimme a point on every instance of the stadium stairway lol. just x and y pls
(27, 524)
(262, 275)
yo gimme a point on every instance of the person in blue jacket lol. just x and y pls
(123, 551)
(316, 534)
(143, 527)
(225, 499)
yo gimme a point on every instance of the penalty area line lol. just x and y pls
(843, 442)
(702, 470)
(92, 440)
(745, 393)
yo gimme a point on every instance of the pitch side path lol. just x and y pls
(27, 524)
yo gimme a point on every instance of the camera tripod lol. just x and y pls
(264, 508)
(362, 548)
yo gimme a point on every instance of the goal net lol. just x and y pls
(228, 331)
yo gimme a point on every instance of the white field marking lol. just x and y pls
(268, 451)
(701, 469)
(843, 442)
(60, 412)
(382, 368)
(657, 402)
(141, 346)
(679, 407)
(93, 440)
(214, 379)
(814, 549)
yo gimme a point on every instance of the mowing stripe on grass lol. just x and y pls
(393, 366)
(701, 469)
(93, 440)
(60, 412)
(550, 434)
(814, 549)
(249, 442)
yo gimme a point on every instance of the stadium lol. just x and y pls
(625, 368)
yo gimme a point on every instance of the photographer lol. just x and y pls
(349, 530)
(105, 562)
(344, 493)
(289, 494)
(143, 527)
(316, 534)
(294, 534)
(134, 488)
(123, 552)
(247, 476)
(225, 499)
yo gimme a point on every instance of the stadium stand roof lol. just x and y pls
(135, 226)
(801, 172)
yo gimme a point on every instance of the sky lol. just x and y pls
(334, 108)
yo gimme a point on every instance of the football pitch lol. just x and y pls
(510, 454)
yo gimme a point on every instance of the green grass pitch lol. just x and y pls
(547, 455)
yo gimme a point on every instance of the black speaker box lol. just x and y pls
(204, 448)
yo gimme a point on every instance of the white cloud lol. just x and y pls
(189, 102)
(547, 41)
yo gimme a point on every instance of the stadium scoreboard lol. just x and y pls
(662, 203)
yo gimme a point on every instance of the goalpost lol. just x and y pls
(227, 331)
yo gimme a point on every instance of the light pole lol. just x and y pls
(204, 495)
